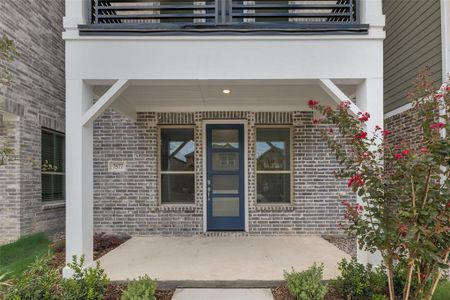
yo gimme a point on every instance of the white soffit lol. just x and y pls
(200, 95)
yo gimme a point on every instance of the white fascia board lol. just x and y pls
(209, 59)
(397, 111)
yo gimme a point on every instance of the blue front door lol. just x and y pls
(225, 177)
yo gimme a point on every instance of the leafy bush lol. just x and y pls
(306, 285)
(359, 282)
(403, 188)
(144, 288)
(39, 281)
(378, 297)
(86, 283)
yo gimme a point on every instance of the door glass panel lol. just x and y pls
(225, 207)
(225, 184)
(225, 138)
(225, 161)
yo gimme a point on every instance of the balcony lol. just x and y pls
(223, 17)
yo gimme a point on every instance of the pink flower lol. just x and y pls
(356, 180)
(438, 96)
(316, 121)
(424, 149)
(345, 104)
(344, 202)
(359, 208)
(437, 125)
(406, 152)
(361, 135)
(386, 132)
(328, 109)
(365, 155)
(398, 156)
(364, 117)
(313, 103)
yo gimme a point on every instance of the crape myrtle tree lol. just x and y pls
(8, 53)
(404, 205)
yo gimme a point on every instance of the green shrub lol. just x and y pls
(39, 281)
(306, 285)
(142, 289)
(442, 291)
(86, 283)
(378, 297)
(359, 282)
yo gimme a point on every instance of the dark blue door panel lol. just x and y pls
(225, 177)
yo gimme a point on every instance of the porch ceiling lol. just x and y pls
(199, 95)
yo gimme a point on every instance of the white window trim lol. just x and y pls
(160, 172)
(290, 171)
(50, 202)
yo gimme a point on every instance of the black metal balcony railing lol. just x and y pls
(223, 16)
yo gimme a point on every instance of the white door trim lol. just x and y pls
(225, 121)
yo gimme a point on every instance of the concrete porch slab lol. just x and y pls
(226, 261)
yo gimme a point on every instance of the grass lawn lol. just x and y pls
(442, 291)
(15, 257)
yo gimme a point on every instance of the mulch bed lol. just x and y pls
(344, 243)
(114, 292)
(281, 292)
(103, 243)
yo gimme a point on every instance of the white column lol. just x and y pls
(79, 173)
(77, 12)
(369, 98)
(371, 12)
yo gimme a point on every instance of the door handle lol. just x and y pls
(208, 190)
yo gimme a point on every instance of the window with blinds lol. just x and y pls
(52, 165)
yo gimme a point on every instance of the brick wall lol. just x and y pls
(36, 96)
(128, 202)
(405, 128)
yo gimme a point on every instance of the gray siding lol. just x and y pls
(413, 41)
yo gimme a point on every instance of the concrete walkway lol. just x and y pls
(229, 261)
(223, 294)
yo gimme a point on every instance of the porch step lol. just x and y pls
(218, 284)
(223, 294)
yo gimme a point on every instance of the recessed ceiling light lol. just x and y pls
(226, 92)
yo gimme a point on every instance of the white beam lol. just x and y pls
(337, 94)
(125, 108)
(105, 101)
